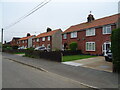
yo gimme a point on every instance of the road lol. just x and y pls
(84, 76)
(16, 75)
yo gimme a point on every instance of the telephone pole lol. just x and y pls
(2, 35)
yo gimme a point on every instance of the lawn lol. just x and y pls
(75, 57)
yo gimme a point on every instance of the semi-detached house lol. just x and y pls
(26, 42)
(50, 39)
(93, 36)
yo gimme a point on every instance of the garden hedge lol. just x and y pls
(115, 46)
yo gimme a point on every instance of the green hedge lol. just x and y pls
(115, 41)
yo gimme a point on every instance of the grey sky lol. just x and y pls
(56, 14)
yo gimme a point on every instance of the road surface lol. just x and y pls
(16, 75)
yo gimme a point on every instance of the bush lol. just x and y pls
(30, 48)
(14, 47)
(115, 47)
(73, 46)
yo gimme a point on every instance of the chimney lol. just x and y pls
(90, 18)
(49, 29)
(28, 34)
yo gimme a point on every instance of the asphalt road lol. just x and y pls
(16, 75)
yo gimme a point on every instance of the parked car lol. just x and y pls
(41, 48)
(108, 56)
(22, 48)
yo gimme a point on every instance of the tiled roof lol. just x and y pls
(47, 33)
(25, 38)
(99, 22)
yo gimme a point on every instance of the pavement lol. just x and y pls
(86, 76)
(97, 63)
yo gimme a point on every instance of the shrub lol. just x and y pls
(115, 41)
(30, 48)
(73, 46)
(14, 47)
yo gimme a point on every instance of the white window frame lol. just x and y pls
(105, 29)
(73, 34)
(90, 32)
(64, 36)
(37, 40)
(48, 38)
(43, 38)
(90, 47)
(23, 41)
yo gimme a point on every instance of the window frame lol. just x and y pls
(64, 36)
(43, 38)
(89, 32)
(105, 29)
(73, 34)
(37, 40)
(49, 38)
(90, 48)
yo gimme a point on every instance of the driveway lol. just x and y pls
(97, 63)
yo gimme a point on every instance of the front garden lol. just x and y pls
(75, 57)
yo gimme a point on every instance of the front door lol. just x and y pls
(106, 46)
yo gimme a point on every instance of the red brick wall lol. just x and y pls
(13, 42)
(25, 44)
(99, 39)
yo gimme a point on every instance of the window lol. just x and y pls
(90, 32)
(37, 39)
(90, 46)
(64, 36)
(33, 40)
(73, 34)
(22, 41)
(43, 39)
(26, 41)
(107, 29)
(48, 38)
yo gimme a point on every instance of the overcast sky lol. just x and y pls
(56, 14)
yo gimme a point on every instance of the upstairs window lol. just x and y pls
(43, 39)
(73, 34)
(107, 29)
(22, 41)
(37, 39)
(90, 32)
(64, 36)
(48, 38)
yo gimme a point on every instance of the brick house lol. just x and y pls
(14, 41)
(50, 39)
(26, 42)
(93, 36)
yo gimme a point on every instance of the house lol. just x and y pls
(26, 42)
(93, 36)
(50, 39)
(14, 41)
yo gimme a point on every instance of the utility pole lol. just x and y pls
(2, 35)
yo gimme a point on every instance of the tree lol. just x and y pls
(73, 46)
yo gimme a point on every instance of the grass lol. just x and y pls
(19, 53)
(75, 57)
